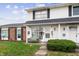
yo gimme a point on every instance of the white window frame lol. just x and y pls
(19, 39)
(47, 33)
(1, 33)
(42, 13)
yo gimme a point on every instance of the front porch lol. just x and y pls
(55, 31)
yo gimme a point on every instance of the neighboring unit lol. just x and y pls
(13, 32)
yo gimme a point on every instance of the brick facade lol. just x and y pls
(23, 33)
(12, 34)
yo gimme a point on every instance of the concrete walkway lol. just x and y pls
(42, 51)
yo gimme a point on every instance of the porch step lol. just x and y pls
(43, 44)
(41, 53)
(43, 48)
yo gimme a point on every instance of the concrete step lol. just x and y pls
(41, 53)
(43, 44)
(43, 48)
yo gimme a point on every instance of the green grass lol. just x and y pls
(17, 49)
(59, 53)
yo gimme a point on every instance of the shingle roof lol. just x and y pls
(13, 25)
(54, 21)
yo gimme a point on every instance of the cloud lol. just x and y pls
(40, 5)
(15, 11)
(15, 6)
(22, 6)
(8, 6)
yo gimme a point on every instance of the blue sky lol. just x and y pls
(14, 12)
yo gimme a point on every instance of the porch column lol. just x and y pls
(26, 36)
(59, 31)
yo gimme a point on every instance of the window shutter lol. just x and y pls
(48, 13)
(70, 10)
(33, 15)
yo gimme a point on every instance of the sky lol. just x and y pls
(15, 12)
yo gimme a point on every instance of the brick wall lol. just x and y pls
(12, 34)
(23, 33)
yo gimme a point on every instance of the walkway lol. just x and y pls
(42, 51)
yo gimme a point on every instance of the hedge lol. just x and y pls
(61, 45)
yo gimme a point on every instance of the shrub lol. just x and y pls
(61, 45)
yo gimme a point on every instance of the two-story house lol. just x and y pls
(56, 22)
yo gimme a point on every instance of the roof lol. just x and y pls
(54, 21)
(13, 25)
(52, 6)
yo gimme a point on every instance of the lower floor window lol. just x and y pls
(18, 32)
(47, 35)
(4, 33)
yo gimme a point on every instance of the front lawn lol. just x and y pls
(59, 53)
(17, 49)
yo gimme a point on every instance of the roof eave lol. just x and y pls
(38, 8)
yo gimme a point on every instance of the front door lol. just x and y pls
(73, 33)
(40, 35)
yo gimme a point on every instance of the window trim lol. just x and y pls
(18, 33)
(47, 33)
(72, 11)
(47, 16)
(4, 38)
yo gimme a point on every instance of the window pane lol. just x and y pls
(47, 35)
(19, 33)
(76, 10)
(4, 34)
(40, 14)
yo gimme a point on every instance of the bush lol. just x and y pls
(61, 45)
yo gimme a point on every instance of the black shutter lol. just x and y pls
(33, 15)
(70, 10)
(48, 13)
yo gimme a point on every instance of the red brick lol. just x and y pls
(12, 34)
(23, 31)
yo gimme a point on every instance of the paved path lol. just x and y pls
(42, 51)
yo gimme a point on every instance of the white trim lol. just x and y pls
(1, 33)
(59, 28)
(26, 35)
(17, 34)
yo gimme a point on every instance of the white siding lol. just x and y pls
(77, 33)
(70, 34)
(59, 12)
(28, 35)
(29, 16)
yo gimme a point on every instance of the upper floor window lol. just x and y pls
(41, 14)
(75, 10)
